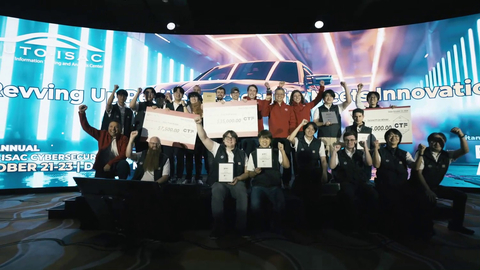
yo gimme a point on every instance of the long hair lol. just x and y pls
(291, 102)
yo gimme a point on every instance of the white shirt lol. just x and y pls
(350, 154)
(321, 150)
(435, 155)
(408, 157)
(229, 152)
(316, 114)
(251, 165)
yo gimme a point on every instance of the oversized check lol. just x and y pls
(240, 117)
(383, 119)
(172, 127)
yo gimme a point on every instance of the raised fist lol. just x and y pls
(82, 108)
(115, 87)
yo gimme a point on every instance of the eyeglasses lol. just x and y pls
(350, 140)
(229, 138)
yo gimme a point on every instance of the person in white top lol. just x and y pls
(230, 182)
(152, 164)
(431, 165)
(330, 132)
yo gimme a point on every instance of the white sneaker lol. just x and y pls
(200, 182)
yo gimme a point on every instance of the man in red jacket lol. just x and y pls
(281, 122)
(110, 160)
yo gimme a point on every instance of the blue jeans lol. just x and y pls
(276, 198)
(238, 192)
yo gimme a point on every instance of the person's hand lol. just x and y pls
(343, 84)
(82, 108)
(432, 197)
(115, 87)
(335, 148)
(139, 90)
(168, 98)
(222, 101)
(327, 123)
(322, 83)
(376, 144)
(106, 168)
(360, 86)
(457, 131)
(133, 134)
(258, 170)
(304, 122)
(281, 84)
(268, 98)
(421, 148)
(197, 119)
(364, 144)
(234, 182)
(280, 146)
(393, 106)
(183, 103)
(154, 107)
(267, 85)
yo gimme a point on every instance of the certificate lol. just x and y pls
(329, 117)
(362, 137)
(209, 97)
(174, 128)
(225, 172)
(383, 119)
(240, 117)
(264, 157)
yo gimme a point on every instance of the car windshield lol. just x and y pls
(252, 71)
(220, 73)
(285, 71)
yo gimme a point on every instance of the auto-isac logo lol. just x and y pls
(67, 48)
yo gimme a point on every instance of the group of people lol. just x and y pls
(294, 143)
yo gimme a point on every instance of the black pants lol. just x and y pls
(176, 156)
(360, 202)
(424, 209)
(120, 169)
(198, 153)
(287, 173)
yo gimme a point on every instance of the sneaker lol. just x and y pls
(200, 182)
(461, 229)
(187, 182)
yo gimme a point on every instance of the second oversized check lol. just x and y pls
(173, 128)
(383, 119)
(239, 116)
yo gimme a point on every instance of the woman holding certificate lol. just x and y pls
(227, 174)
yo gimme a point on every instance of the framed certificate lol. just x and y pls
(225, 172)
(329, 117)
(209, 97)
(264, 157)
(362, 137)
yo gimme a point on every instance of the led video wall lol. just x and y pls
(47, 70)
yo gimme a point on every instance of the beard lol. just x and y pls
(151, 162)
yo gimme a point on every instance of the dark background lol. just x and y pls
(235, 17)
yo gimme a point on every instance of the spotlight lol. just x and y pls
(319, 24)
(171, 26)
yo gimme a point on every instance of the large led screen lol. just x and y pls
(47, 70)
